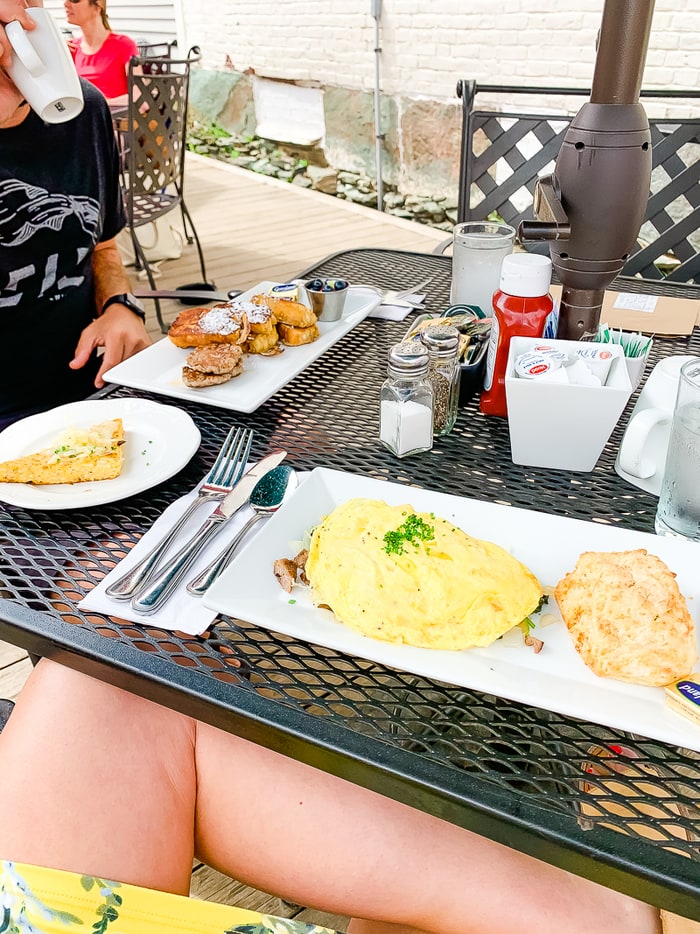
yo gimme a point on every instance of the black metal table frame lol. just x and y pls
(510, 772)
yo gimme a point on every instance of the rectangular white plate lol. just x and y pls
(158, 368)
(556, 679)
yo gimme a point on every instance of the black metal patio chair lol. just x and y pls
(504, 151)
(155, 55)
(154, 146)
(6, 708)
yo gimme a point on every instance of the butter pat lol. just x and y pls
(683, 697)
(285, 290)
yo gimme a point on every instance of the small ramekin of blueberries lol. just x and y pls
(327, 297)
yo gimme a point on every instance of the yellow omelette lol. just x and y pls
(407, 577)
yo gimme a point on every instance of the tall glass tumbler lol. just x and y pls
(679, 503)
(478, 250)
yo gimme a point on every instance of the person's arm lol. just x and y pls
(119, 330)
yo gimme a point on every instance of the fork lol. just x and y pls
(224, 474)
(390, 297)
(412, 290)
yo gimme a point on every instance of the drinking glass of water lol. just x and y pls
(679, 503)
(478, 250)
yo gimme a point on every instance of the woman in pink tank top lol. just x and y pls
(101, 56)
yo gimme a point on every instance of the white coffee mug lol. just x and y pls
(43, 70)
(642, 455)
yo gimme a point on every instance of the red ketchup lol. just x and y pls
(521, 306)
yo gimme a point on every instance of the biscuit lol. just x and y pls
(287, 311)
(294, 337)
(627, 617)
(221, 324)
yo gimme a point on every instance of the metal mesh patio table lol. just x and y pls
(527, 777)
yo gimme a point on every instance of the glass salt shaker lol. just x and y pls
(444, 373)
(406, 401)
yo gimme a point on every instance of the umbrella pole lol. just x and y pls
(378, 135)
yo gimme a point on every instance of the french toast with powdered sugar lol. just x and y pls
(225, 323)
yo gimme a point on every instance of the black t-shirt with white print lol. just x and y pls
(59, 196)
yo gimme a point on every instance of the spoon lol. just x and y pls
(266, 498)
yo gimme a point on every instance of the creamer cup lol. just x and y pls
(546, 350)
(536, 365)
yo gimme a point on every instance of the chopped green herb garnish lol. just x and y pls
(413, 530)
(291, 601)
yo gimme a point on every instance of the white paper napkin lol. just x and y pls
(397, 312)
(182, 612)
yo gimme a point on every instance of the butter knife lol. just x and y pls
(153, 594)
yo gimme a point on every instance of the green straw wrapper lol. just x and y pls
(633, 345)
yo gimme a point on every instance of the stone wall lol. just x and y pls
(425, 48)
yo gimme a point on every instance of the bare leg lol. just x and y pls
(324, 842)
(99, 781)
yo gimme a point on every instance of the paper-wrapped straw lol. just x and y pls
(633, 345)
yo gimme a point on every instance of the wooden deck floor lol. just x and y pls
(254, 228)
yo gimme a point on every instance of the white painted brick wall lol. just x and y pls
(428, 44)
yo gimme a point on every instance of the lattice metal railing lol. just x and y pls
(504, 152)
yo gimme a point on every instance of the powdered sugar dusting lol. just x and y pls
(257, 314)
(222, 319)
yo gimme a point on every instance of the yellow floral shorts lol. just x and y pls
(34, 900)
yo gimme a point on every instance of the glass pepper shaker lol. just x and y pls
(406, 401)
(444, 373)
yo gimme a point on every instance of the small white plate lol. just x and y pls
(160, 440)
(158, 368)
(556, 679)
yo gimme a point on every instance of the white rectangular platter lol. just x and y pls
(555, 679)
(158, 368)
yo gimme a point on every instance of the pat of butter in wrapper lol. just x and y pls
(286, 290)
(683, 697)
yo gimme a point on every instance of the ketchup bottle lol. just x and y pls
(521, 306)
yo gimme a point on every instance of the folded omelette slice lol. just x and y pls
(413, 578)
(78, 455)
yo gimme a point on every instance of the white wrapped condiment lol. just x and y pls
(536, 365)
(580, 374)
(597, 359)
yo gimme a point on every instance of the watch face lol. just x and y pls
(133, 302)
(126, 298)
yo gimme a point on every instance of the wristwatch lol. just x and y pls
(131, 302)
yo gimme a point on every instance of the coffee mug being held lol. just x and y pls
(42, 68)
(13, 10)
